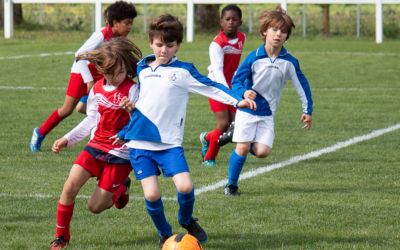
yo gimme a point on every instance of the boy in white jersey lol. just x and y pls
(261, 77)
(155, 132)
(83, 75)
(225, 52)
(117, 60)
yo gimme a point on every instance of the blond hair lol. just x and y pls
(119, 51)
(277, 18)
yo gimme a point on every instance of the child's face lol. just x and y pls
(123, 27)
(163, 51)
(230, 23)
(275, 37)
(118, 77)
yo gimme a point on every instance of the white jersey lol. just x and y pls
(267, 76)
(159, 118)
(95, 41)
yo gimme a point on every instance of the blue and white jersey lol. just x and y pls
(267, 77)
(158, 120)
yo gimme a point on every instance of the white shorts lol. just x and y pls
(254, 128)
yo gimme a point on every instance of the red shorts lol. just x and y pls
(77, 87)
(216, 106)
(110, 176)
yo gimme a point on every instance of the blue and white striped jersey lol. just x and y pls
(268, 76)
(160, 112)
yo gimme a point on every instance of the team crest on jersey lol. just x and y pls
(117, 98)
(173, 77)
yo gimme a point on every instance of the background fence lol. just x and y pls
(378, 5)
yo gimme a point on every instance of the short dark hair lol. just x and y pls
(232, 7)
(277, 18)
(119, 11)
(168, 28)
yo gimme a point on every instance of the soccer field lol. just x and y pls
(336, 186)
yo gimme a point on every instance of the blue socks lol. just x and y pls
(236, 163)
(186, 203)
(156, 211)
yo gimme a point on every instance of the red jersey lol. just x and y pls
(111, 118)
(231, 53)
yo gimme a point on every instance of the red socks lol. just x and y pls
(52, 121)
(63, 218)
(119, 198)
(213, 147)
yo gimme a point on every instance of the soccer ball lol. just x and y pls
(182, 241)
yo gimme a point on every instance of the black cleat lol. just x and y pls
(195, 229)
(232, 190)
(227, 136)
(163, 239)
(58, 243)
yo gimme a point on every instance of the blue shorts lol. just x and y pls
(146, 163)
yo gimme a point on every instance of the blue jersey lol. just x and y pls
(160, 111)
(267, 77)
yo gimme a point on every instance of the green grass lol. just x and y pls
(348, 199)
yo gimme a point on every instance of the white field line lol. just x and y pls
(255, 172)
(37, 55)
(296, 159)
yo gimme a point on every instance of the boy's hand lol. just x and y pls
(126, 104)
(117, 140)
(59, 144)
(247, 103)
(250, 94)
(306, 120)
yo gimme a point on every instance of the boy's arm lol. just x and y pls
(203, 85)
(84, 128)
(133, 97)
(216, 67)
(94, 41)
(242, 76)
(302, 87)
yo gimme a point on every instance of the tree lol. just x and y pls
(18, 18)
(207, 16)
(325, 20)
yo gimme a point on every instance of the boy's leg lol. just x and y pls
(154, 205)
(186, 200)
(236, 163)
(112, 189)
(77, 178)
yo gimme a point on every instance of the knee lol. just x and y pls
(242, 149)
(263, 153)
(185, 188)
(94, 209)
(152, 197)
(70, 190)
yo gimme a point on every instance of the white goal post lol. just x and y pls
(9, 25)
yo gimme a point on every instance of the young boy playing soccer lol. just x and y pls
(155, 131)
(117, 60)
(261, 77)
(225, 51)
(120, 17)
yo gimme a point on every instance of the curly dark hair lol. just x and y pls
(119, 11)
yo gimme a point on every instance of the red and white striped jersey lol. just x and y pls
(95, 41)
(225, 57)
(104, 116)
